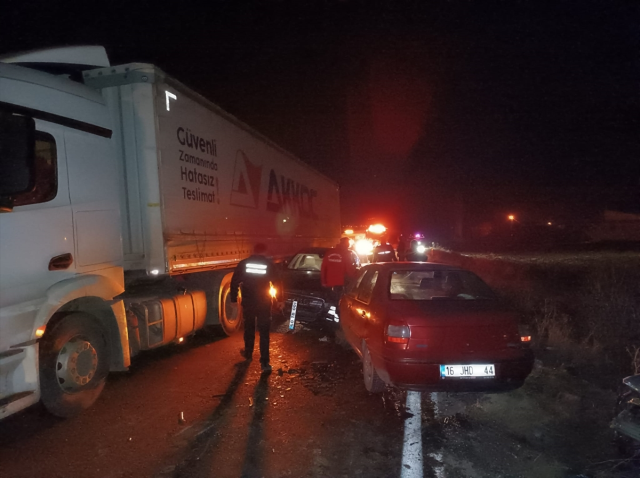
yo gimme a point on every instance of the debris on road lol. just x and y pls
(181, 419)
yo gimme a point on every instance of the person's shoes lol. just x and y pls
(266, 368)
(245, 355)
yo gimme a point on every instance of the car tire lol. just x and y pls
(229, 321)
(74, 363)
(372, 381)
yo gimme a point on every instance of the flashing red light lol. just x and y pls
(377, 228)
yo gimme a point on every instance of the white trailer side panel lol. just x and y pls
(200, 188)
(224, 188)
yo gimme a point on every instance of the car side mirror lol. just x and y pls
(17, 157)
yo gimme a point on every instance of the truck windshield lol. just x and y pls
(438, 285)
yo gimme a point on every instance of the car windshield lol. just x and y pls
(306, 262)
(437, 285)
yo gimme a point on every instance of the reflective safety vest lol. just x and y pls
(253, 276)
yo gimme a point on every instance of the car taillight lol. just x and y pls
(525, 334)
(398, 333)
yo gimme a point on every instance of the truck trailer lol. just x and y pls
(127, 199)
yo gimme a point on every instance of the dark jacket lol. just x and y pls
(253, 276)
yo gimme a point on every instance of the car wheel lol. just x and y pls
(372, 381)
(74, 363)
(230, 314)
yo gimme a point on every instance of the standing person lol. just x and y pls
(338, 268)
(402, 249)
(254, 276)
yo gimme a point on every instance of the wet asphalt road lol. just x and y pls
(311, 417)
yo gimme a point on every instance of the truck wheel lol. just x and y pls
(230, 314)
(372, 381)
(74, 363)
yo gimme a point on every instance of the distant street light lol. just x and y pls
(511, 218)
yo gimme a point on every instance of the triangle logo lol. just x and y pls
(245, 189)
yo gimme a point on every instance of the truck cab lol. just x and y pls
(60, 248)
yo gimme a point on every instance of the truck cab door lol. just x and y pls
(39, 229)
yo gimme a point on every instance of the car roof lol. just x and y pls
(409, 266)
(313, 250)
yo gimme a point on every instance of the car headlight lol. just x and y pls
(363, 247)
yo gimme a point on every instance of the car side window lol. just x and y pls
(46, 172)
(352, 289)
(365, 291)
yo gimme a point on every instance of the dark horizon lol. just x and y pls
(420, 112)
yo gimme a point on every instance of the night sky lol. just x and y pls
(424, 112)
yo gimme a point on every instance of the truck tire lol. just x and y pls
(74, 363)
(372, 381)
(230, 320)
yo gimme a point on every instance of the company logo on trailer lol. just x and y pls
(289, 196)
(245, 189)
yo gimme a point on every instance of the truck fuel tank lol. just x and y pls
(165, 320)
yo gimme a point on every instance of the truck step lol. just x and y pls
(12, 398)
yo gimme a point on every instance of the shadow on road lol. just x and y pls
(26, 424)
(35, 420)
(209, 435)
(255, 444)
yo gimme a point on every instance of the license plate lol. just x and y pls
(468, 371)
(292, 318)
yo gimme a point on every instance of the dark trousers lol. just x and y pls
(261, 315)
(336, 292)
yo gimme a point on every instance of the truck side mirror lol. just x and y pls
(17, 157)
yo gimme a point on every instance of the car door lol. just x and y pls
(346, 305)
(361, 308)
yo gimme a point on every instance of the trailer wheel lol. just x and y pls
(230, 314)
(74, 363)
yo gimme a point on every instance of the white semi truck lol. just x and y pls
(127, 199)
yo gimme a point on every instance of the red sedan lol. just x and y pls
(434, 327)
